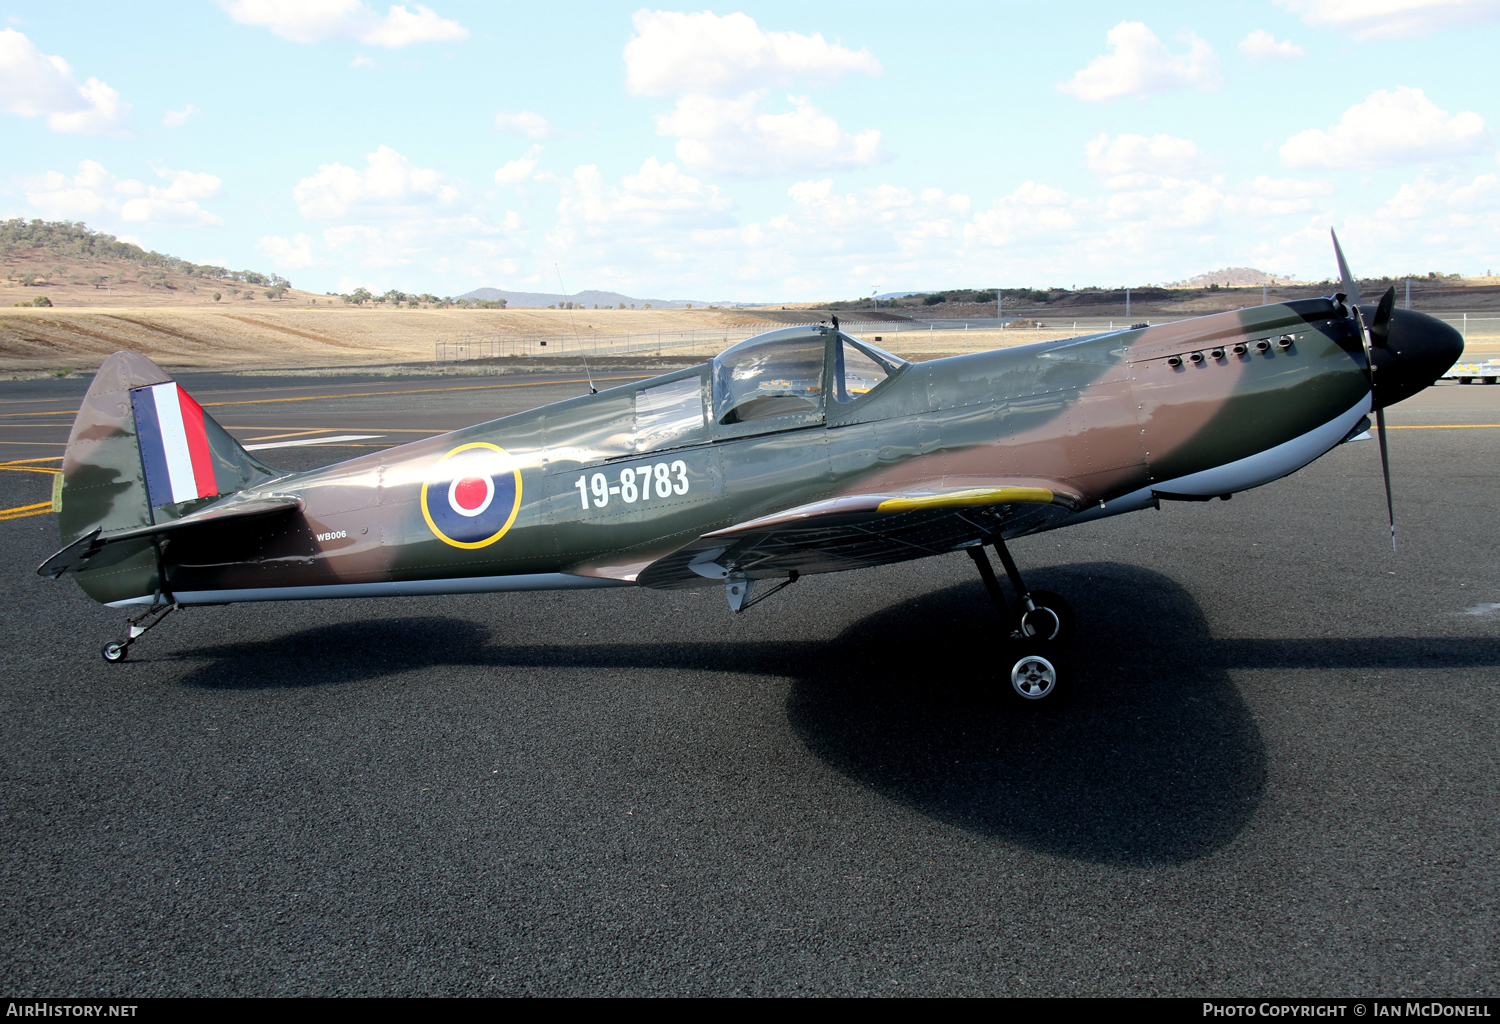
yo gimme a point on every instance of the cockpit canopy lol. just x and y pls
(781, 374)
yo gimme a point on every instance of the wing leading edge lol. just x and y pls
(862, 530)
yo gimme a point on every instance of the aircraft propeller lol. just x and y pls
(1376, 335)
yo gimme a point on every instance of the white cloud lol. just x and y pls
(361, 61)
(1443, 224)
(736, 138)
(33, 84)
(1389, 128)
(1277, 197)
(315, 21)
(1427, 198)
(389, 186)
(1261, 45)
(1368, 20)
(287, 254)
(178, 118)
(533, 126)
(516, 171)
(408, 226)
(722, 70)
(94, 192)
(1125, 158)
(658, 195)
(1140, 65)
(674, 54)
(1029, 210)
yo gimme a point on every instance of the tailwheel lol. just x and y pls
(114, 651)
(1034, 672)
(1049, 618)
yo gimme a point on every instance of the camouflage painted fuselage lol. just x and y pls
(1107, 424)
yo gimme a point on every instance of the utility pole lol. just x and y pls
(1127, 303)
(999, 304)
(1262, 293)
(1408, 293)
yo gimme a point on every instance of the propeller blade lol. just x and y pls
(1365, 337)
(1351, 288)
(1385, 469)
(1380, 327)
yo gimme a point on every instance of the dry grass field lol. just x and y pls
(37, 341)
(282, 336)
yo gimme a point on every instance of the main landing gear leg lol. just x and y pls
(1032, 667)
(115, 650)
(987, 573)
(1041, 614)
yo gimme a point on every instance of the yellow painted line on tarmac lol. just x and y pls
(44, 458)
(368, 394)
(23, 515)
(1440, 426)
(32, 469)
(295, 433)
(21, 511)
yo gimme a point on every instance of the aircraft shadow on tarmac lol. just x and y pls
(1155, 758)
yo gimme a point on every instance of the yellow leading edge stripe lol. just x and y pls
(976, 496)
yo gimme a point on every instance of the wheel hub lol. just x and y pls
(1033, 677)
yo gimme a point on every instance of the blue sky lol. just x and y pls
(761, 152)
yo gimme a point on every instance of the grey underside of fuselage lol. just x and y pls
(409, 588)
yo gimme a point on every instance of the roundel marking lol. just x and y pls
(472, 495)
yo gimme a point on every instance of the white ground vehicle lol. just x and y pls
(1468, 373)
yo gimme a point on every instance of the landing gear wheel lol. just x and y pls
(1051, 620)
(113, 651)
(1034, 672)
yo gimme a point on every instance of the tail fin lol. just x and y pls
(142, 452)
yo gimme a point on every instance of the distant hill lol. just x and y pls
(1234, 277)
(584, 300)
(65, 263)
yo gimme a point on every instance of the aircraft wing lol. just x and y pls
(98, 548)
(859, 530)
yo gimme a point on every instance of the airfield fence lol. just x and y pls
(910, 339)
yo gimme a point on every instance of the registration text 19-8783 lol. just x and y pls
(635, 484)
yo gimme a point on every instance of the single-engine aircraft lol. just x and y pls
(804, 450)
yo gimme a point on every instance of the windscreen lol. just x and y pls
(856, 372)
(776, 377)
(668, 413)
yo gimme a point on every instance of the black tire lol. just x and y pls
(1466, 380)
(1489, 380)
(1056, 627)
(113, 652)
(1033, 673)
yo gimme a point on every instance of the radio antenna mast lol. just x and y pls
(586, 371)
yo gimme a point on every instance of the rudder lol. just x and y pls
(142, 452)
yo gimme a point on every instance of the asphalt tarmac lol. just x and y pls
(1276, 774)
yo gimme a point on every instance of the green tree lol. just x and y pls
(217, 296)
(41, 300)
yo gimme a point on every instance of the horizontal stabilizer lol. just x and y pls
(93, 550)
